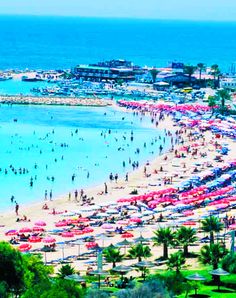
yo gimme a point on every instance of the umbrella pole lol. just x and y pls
(99, 281)
(45, 258)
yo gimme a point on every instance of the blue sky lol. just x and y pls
(222, 10)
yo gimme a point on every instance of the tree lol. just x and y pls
(154, 72)
(201, 67)
(113, 255)
(222, 96)
(176, 261)
(184, 237)
(166, 237)
(139, 251)
(212, 225)
(212, 254)
(211, 101)
(229, 263)
(65, 270)
(189, 70)
(11, 268)
(215, 71)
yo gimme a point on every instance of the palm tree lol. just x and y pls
(223, 96)
(154, 72)
(212, 254)
(184, 237)
(215, 71)
(139, 251)
(189, 70)
(176, 261)
(65, 270)
(210, 225)
(201, 67)
(166, 237)
(113, 255)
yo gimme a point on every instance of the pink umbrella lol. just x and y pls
(122, 222)
(83, 219)
(40, 223)
(78, 232)
(49, 240)
(25, 230)
(24, 247)
(106, 226)
(189, 223)
(67, 234)
(61, 224)
(11, 233)
(233, 227)
(91, 245)
(136, 219)
(88, 230)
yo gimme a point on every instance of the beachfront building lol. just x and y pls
(173, 79)
(113, 70)
(228, 83)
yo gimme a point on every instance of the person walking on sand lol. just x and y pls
(105, 186)
(46, 195)
(50, 195)
(17, 209)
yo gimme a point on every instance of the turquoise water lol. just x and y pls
(34, 143)
(16, 87)
(63, 42)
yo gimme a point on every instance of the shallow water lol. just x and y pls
(34, 143)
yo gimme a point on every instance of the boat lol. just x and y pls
(33, 79)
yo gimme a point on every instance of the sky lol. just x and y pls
(216, 10)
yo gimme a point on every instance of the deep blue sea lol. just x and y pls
(63, 42)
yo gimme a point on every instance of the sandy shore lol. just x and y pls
(176, 168)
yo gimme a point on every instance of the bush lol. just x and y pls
(95, 293)
(229, 263)
(134, 192)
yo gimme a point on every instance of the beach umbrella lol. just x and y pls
(62, 223)
(107, 226)
(101, 215)
(143, 265)
(40, 223)
(91, 245)
(141, 239)
(135, 215)
(122, 270)
(136, 220)
(25, 230)
(127, 235)
(122, 222)
(189, 223)
(88, 230)
(124, 243)
(67, 234)
(34, 239)
(49, 239)
(24, 247)
(195, 277)
(38, 229)
(99, 273)
(232, 227)
(11, 233)
(71, 213)
(103, 237)
(75, 277)
(78, 242)
(83, 219)
(219, 272)
(112, 211)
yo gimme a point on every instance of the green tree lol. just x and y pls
(212, 225)
(212, 254)
(154, 72)
(211, 101)
(184, 237)
(166, 237)
(189, 70)
(215, 71)
(229, 262)
(139, 251)
(201, 67)
(222, 96)
(176, 261)
(11, 268)
(113, 255)
(65, 270)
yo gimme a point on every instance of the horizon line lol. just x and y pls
(118, 18)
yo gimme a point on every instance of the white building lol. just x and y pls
(228, 83)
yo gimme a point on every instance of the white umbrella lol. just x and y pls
(112, 211)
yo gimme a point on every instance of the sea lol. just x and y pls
(36, 42)
(43, 147)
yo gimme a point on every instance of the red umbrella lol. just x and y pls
(83, 219)
(88, 230)
(34, 239)
(78, 232)
(67, 234)
(127, 235)
(24, 247)
(136, 219)
(189, 223)
(25, 230)
(91, 245)
(49, 240)
(40, 223)
(38, 229)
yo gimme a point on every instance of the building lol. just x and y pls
(228, 83)
(177, 79)
(113, 70)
